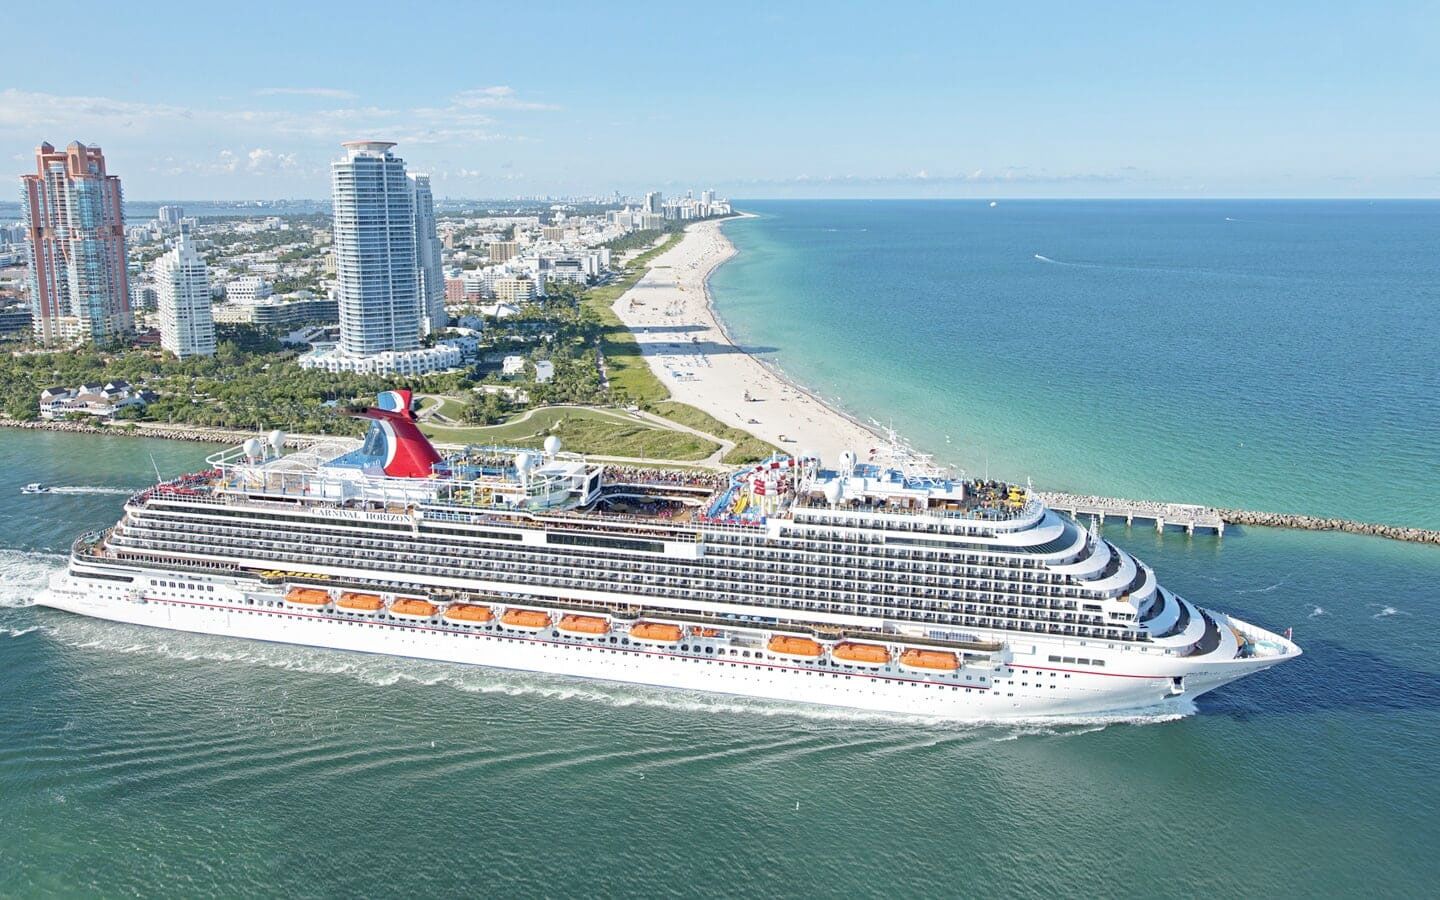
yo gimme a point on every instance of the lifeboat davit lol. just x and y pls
(583, 626)
(307, 598)
(792, 647)
(411, 608)
(526, 619)
(469, 612)
(655, 633)
(929, 660)
(868, 655)
(360, 604)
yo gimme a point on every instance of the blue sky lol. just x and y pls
(832, 99)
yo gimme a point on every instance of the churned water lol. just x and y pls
(147, 762)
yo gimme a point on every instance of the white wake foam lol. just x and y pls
(24, 574)
(90, 489)
(1316, 612)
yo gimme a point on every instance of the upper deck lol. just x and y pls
(350, 474)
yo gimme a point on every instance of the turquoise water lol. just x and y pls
(1272, 355)
(145, 762)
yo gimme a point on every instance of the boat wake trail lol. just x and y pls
(1150, 270)
(1264, 590)
(1316, 613)
(24, 574)
(91, 489)
(1388, 611)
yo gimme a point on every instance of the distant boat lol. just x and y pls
(993, 204)
(34, 487)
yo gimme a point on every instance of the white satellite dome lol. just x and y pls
(552, 445)
(277, 440)
(847, 462)
(833, 490)
(254, 448)
(523, 462)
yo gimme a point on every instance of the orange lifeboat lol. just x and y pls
(794, 647)
(655, 633)
(468, 612)
(929, 660)
(411, 608)
(583, 626)
(853, 654)
(526, 619)
(360, 604)
(704, 632)
(307, 598)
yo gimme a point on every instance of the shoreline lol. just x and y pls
(671, 314)
(195, 434)
(712, 380)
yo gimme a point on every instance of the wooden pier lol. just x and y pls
(1181, 515)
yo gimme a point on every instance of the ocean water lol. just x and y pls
(144, 762)
(1272, 355)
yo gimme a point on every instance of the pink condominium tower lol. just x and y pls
(76, 231)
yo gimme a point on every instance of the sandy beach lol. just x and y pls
(669, 310)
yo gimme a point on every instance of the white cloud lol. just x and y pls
(497, 97)
(330, 93)
(262, 159)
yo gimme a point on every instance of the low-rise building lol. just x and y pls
(331, 358)
(101, 401)
(514, 290)
(279, 312)
(250, 289)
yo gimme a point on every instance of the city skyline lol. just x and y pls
(1229, 101)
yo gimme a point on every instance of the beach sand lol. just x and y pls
(670, 313)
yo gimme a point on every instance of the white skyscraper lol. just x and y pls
(431, 287)
(375, 251)
(182, 282)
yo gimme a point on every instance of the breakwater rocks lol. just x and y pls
(1319, 523)
(195, 433)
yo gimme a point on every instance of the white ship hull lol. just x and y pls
(1024, 685)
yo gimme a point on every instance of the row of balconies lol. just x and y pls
(924, 588)
(784, 596)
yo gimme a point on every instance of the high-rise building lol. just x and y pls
(653, 201)
(375, 262)
(78, 284)
(170, 216)
(183, 284)
(431, 288)
(501, 251)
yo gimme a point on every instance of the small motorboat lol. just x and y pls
(34, 487)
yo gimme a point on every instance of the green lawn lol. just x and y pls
(630, 375)
(748, 448)
(583, 431)
(451, 407)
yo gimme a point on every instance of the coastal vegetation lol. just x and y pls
(583, 430)
(255, 382)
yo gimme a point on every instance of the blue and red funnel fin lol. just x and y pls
(407, 452)
(395, 401)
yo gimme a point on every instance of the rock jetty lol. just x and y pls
(1320, 523)
(195, 433)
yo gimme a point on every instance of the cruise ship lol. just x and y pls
(880, 584)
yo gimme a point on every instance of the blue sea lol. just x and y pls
(1272, 355)
(163, 764)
